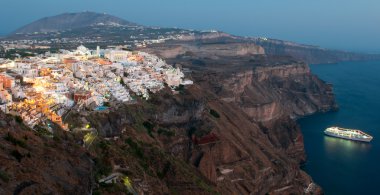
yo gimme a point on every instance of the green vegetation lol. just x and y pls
(166, 132)
(149, 127)
(4, 176)
(189, 172)
(191, 131)
(135, 148)
(103, 145)
(42, 131)
(13, 53)
(180, 89)
(138, 151)
(102, 168)
(17, 155)
(144, 159)
(122, 82)
(9, 137)
(18, 119)
(165, 170)
(96, 192)
(214, 113)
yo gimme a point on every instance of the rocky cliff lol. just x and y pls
(266, 93)
(306, 53)
(310, 54)
(232, 132)
(111, 30)
(220, 148)
(258, 95)
(210, 50)
(35, 163)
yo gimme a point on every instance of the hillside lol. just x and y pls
(33, 163)
(91, 29)
(72, 21)
(231, 132)
(306, 53)
(310, 54)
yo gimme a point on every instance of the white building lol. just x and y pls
(174, 77)
(117, 55)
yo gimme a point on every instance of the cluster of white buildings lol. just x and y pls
(48, 86)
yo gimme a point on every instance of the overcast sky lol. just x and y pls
(338, 24)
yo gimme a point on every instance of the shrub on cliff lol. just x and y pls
(135, 148)
(18, 119)
(102, 167)
(214, 113)
(149, 127)
(4, 176)
(166, 132)
(9, 137)
(17, 155)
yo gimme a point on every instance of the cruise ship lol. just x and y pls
(350, 134)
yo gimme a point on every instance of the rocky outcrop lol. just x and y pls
(299, 92)
(234, 154)
(258, 96)
(232, 132)
(308, 53)
(270, 92)
(212, 50)
(86, 25)
(205, 36)
(253, 146)
(32, 163)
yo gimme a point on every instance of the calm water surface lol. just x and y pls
(343, 166)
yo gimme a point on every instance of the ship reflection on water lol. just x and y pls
(337, 146)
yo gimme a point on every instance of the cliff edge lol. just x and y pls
(232, 132)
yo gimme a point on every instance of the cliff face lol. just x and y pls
(269, 92)
(211, 50)
(206, 36)
(34, 164)
(310, 54)
(85, 25)
(264, 86)
(231, 132)
(258, 97)
(232, 153)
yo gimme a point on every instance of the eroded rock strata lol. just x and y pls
(232, 132)
(258, 96)
(31, 163)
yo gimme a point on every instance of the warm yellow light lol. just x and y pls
(127, 182)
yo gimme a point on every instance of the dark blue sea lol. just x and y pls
(343, 166)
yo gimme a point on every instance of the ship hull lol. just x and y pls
(348, 138)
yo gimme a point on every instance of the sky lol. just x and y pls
(352, 25)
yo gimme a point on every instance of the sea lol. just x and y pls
(343, 166)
